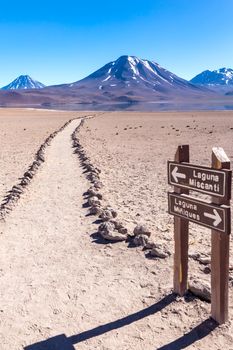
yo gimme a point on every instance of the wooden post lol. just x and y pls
(181, 233)
(220, 252)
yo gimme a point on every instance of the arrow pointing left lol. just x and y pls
(215, 216)
(176, 175)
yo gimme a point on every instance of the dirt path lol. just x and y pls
(57, 284)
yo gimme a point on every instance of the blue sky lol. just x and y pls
(63, 41)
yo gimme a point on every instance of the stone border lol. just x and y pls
(17, 190)
(110, 228)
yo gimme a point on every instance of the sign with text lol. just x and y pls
(202, 213)
(202, 179)
(216, 215)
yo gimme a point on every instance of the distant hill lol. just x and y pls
(23, 82)
(220, 80)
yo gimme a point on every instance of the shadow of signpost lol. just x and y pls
(123, 321)
(197, 333)
(61, 342)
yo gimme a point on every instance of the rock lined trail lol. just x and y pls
(56, 282)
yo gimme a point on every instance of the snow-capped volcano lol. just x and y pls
(222, 76)
(132, 73)
(24, 82)
(125, 81)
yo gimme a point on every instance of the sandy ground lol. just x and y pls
(133, 149)
(22, 131)
(61, 289)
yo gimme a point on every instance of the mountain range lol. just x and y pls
(127, 79)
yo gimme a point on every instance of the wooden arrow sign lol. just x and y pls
(202, 213)
(202, 179)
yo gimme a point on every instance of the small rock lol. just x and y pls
(194, 256)
(99, 195)
(150, 244)
(95, 210)
(28, 174)
(106, 215)
(86, 162)
(17, 189)
(88, 167)
(200, 289)
(123, 230)
(119, 227)
(25, 181)
(41, 157)
(93, 177)
(98, 169)
(206, 270)
(94, 193)
(140, 240)
(76, 143)
(91, 168)
(114, 212)
(98, 184)
(106, 226)
(160, 251)
(107, 231)
(204, 260)
(91, 190)
(141, 230)
(94, 201)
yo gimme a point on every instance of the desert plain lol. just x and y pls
(64, 288)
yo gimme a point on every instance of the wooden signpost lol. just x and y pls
(216, 215)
